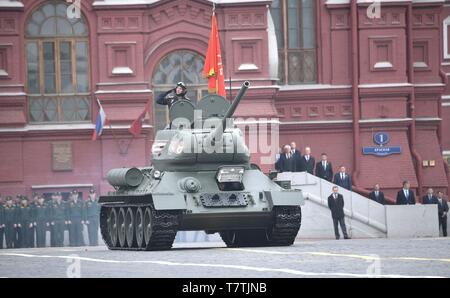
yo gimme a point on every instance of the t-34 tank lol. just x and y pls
(200, 179)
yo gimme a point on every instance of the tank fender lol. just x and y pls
(168, 201)
(288, 197)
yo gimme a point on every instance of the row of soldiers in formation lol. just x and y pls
(24, 224)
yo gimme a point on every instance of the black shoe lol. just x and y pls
(337, 238)
(346, 237)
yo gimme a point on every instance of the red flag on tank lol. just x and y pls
(213, 69)
(136, 126)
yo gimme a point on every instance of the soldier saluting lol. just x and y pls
(92, 217)
(173, 95)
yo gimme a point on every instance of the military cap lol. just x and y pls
(75, 191)
(9, 198)
(24, 198)
(18, 196)
(92, 190)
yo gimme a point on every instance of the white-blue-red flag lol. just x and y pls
(99, 123)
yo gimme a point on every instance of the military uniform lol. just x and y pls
(92, 220)
(2, 224)
(10, 215)
(170, 97)
(41, 222)
(58, 222)
(75, 217)
(24, 225)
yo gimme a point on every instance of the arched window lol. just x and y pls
(185, 66)
(57, 65)
(294, 22)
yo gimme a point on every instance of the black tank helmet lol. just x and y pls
(182, 85)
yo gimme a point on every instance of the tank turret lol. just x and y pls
(200, 179)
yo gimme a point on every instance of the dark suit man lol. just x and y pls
(297, 156)
(405, 196)
(377, 195)
(336, 205)
(429, 198)
(307, 162)
(324, 169)
(343, 179)
(442, 212)
(286, 163)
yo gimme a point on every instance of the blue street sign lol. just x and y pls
(381, 138)
(382, 151)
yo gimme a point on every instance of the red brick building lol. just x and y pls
(334, 72)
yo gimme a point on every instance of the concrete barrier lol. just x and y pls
(364, 218)
(411, 221)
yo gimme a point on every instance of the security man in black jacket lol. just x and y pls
(336, 205)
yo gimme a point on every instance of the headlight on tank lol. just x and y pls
(230, 174)
(156, 174)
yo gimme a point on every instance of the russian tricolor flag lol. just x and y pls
(99, 123)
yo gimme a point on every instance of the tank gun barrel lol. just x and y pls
(219, 130)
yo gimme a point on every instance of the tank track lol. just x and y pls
(282, 232)
(158, 235)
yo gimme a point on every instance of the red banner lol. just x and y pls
(213, 69)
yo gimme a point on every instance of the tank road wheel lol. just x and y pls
(112, 227)
(287, 221)
(129, 228)
(139, 225)
(229, 237)
(160, 228)
(147, 225)
(104, 225)
(121, 227)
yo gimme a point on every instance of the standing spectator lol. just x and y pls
(307, 162)
(92, 217)
(58, 220)
(405, 196)
(75, 212)
(324, 169)
(377, 195)
(343, 179)
(442, 212)
(286, 163)
(336, 205)
(10, 222)
(429, 198)
(296, 155)
(41, 221)
(2, 221)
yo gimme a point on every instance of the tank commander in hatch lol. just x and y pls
(170, 97)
